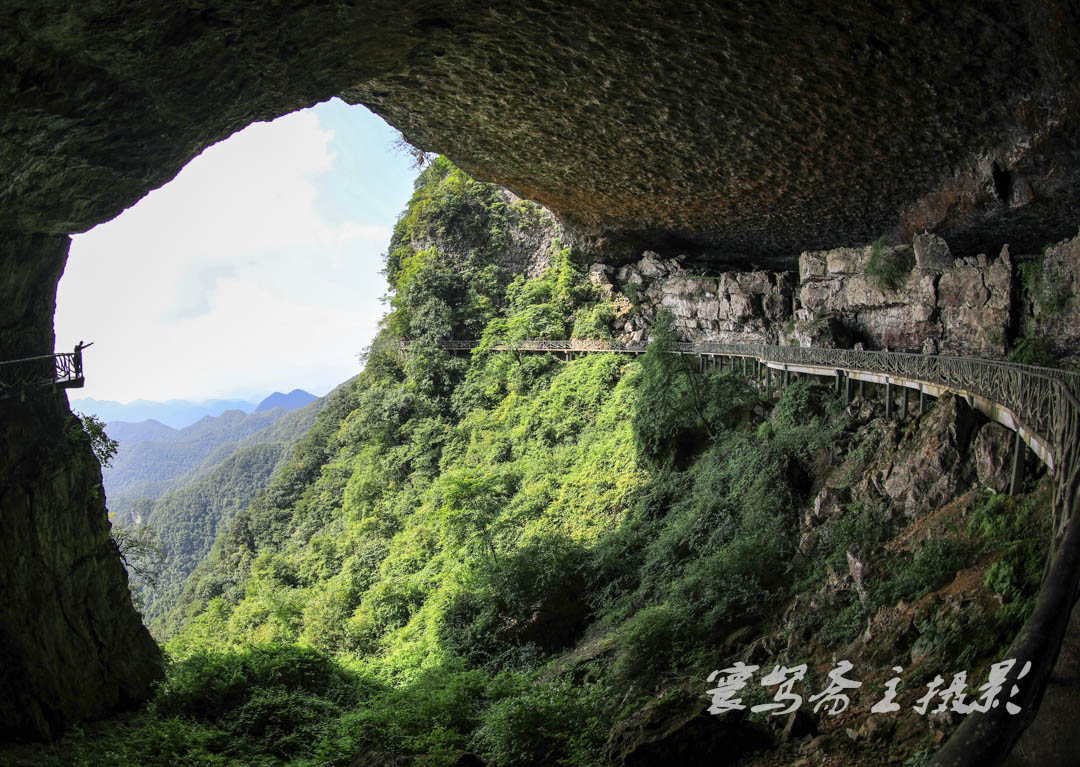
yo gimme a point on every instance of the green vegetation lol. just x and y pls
(1043, 285)
(215, 468)
(1019, 533)
(142, 555)
(91, 429)
(1032, 350)
(502, 553)
(888, 268)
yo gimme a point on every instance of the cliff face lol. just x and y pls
(941, 305)
(937, 304)
(71, 644)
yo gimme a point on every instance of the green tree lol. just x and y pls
(471, 501)
(93, 430)
(140, 550)
(669, 397)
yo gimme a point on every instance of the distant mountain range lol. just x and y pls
(177, 413)
(294, 400)
(189, 483)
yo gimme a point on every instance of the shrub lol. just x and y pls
(209, 685)
(1047, 289)
(555, 723)
(888, 268)
(90, 428)
(1032, 350)
(1019, 532)
(933, 564)
(654, 641)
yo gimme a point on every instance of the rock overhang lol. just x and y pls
(745, 131)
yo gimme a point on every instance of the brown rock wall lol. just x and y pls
(964, 307)
(732, 307)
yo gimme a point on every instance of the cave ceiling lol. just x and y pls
(740, 131)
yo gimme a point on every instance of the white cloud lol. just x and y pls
(229, 278)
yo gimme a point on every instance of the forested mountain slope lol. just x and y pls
(511, 559)
(147, 469)
(219, 478)
(130, 433)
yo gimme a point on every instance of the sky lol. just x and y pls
(256, 269)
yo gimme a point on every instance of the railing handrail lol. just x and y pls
(62, 369)
(723, 348)
(1072, 379)
(39, 357)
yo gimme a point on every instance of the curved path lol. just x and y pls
(1039, 404)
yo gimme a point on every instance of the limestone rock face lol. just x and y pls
(930, 465)
(960, 306)
(598, 115)
(931, 253)
(732, 307)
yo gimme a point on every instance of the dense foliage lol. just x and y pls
(889, 267)
(506, 553)
(217, 467)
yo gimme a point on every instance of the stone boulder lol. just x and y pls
(991, 451)
(929, 465)
(931, 253)
(975, 306)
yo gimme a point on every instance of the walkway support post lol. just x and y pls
(905, 402)
(922, 402)
(888, 399)
(847, 390)
(1019, 464)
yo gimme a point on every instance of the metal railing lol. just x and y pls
(1042, 400)
(1037, 396)
(63, 370)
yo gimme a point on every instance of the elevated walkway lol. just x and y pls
(56, 371)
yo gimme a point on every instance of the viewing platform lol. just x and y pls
(57, 371)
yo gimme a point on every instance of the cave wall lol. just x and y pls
(71, 644)
(741, 132)
(971, 306)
